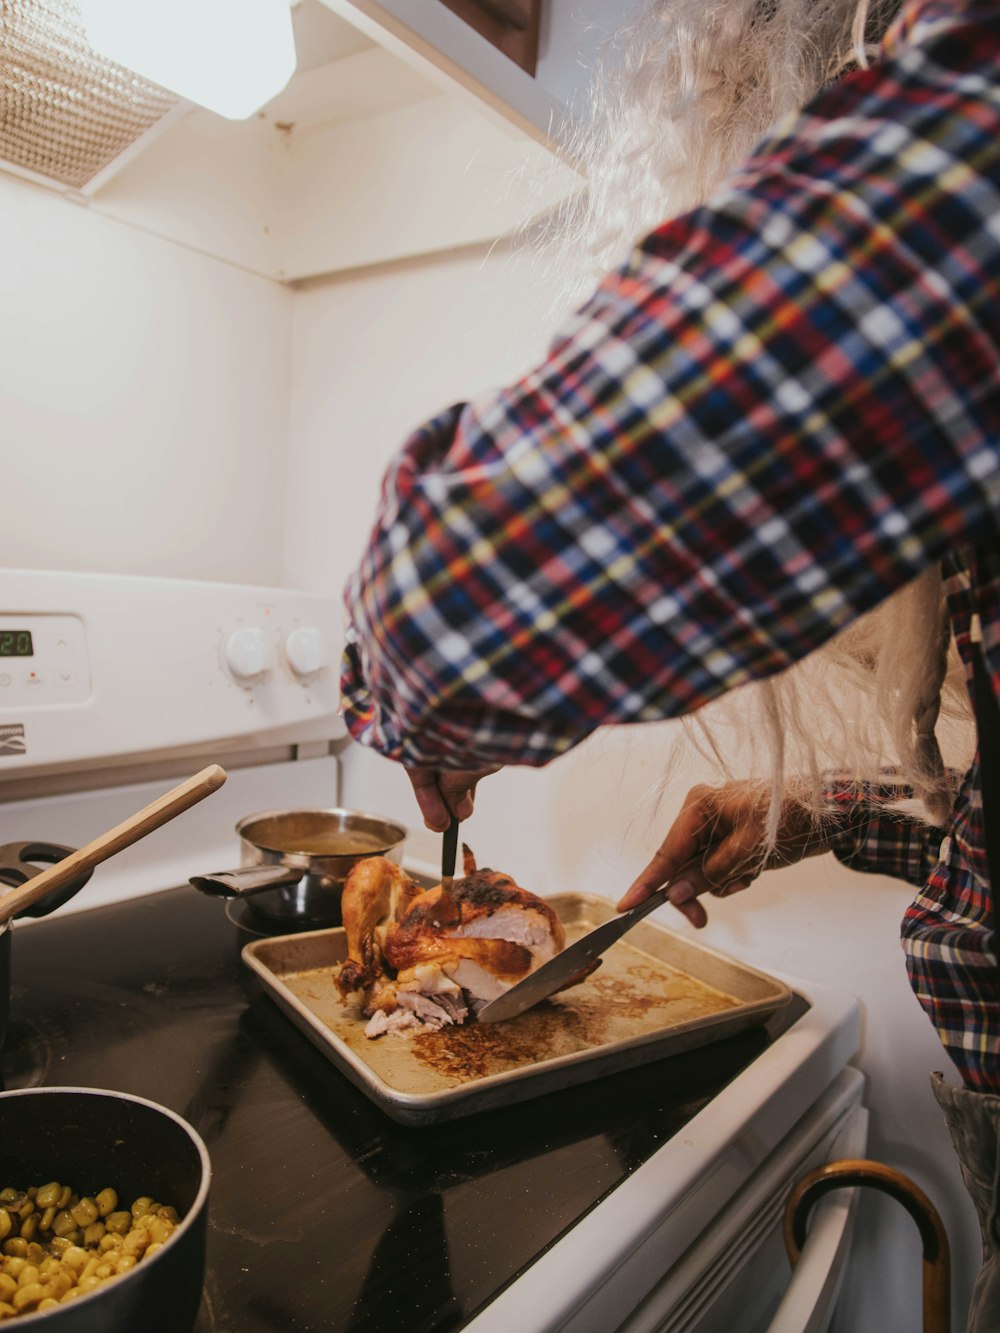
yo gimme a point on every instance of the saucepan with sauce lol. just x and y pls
(294, 863)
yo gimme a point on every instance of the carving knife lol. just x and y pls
(554, 974)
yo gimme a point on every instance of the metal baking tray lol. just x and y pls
(655, 994)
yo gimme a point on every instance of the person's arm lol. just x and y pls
(719, 842)
(781, 409)
(883, 841)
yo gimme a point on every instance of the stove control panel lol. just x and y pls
(98, 669)
(43, 660)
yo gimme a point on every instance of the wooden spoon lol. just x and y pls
(161, 811)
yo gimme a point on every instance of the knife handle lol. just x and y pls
(449, 850)
(599, 940)
(650, 904)
(618, 925)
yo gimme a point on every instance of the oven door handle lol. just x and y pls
(819, 1250)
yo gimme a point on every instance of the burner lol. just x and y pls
(251, 923)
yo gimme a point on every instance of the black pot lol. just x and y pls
(4, 981)
(90, 1139)
(16, 867)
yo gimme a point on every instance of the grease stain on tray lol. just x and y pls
(630, 995)
(656, 993)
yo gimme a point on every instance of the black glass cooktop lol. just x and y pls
(324, 1214)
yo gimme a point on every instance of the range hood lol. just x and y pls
(370, 155)
(66, 114)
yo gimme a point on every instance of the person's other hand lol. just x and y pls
(442, 793)
(716, 845)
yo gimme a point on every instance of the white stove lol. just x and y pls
(115, 686)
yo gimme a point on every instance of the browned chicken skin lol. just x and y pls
(426, 956)
(376, 893)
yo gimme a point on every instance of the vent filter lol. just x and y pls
(65, 113)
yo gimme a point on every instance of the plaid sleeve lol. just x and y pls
(779, 410)
(870, 835)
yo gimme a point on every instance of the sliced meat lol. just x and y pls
(430, 957)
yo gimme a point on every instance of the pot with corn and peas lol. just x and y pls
(104, 1209)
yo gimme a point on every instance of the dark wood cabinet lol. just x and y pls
(511, 25)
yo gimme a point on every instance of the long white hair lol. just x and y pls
(684, 93)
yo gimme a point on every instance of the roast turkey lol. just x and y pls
(432, 957)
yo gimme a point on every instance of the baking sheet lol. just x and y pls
(656, 993)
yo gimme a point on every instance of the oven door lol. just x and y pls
(736, 1275)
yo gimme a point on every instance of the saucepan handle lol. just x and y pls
(246, 880)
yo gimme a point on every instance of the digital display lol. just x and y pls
(16, 643)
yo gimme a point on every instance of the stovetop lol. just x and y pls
(324, 1214)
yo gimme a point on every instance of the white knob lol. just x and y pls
(247, 656)
(305, 652)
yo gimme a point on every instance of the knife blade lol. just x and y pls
(449, 850)
(554, 974)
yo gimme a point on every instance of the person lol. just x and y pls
(769, 437)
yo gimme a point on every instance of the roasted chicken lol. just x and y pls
(432, 957)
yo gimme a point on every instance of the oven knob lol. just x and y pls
(247, 656)
(305, 652)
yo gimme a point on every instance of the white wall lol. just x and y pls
(373, 356)
(374, 353)
(143, 400)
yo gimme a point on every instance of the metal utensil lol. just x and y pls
(449, 850)
(158, 812)
(553, 975)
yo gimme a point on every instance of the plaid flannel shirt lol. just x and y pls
(783, 406)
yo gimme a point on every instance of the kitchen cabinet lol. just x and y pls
(411, 127)
(404, 132)
(453, 36)
(509, 25)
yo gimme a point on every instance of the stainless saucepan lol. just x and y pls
(294, 863)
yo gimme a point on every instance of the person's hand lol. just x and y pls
(717, 845)
(442, 793)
